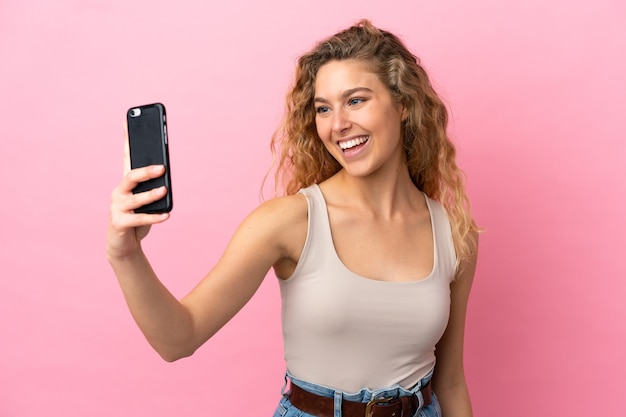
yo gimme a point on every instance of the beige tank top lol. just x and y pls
(348, 332)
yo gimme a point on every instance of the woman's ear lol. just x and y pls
(404, 113)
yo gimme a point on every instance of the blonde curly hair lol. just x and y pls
(301, 158)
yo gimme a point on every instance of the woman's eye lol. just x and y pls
(355, 101)
(321, 110)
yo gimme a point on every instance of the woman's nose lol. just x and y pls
(341, 121)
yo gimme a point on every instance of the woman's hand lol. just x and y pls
(127, 228)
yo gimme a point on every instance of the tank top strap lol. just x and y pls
(319, 232)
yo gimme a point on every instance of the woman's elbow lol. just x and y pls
(173, 353)
(173, 356)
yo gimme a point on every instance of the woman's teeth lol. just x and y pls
(353, 142)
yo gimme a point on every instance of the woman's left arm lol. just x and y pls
(449, 377)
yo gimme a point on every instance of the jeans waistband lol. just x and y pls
(363, 395)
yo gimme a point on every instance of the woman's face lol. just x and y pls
(357, 119)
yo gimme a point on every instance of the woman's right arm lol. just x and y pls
(153, 307)
(174, 328)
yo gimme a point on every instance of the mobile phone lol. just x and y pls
(148, 145)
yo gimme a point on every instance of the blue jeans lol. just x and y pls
(286, 409)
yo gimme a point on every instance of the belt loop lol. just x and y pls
(338, 401)
(420, 399)
(282, 391)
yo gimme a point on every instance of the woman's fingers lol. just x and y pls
(127, 228)
(137, 175)
(125, 200)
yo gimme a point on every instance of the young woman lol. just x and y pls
(373, 244)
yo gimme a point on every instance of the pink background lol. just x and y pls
(536, 91)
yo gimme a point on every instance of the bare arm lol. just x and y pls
(449, 378)
(177, 328)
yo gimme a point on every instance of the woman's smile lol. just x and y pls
(349, 146)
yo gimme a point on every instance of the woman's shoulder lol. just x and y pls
(284, 205)
(284, 221)
(280, 212)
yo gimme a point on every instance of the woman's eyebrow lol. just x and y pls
(345, 94)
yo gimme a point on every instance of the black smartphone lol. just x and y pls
(147, 140)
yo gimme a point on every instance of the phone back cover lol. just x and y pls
(148, 146)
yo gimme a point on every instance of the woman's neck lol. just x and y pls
(383, 194)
